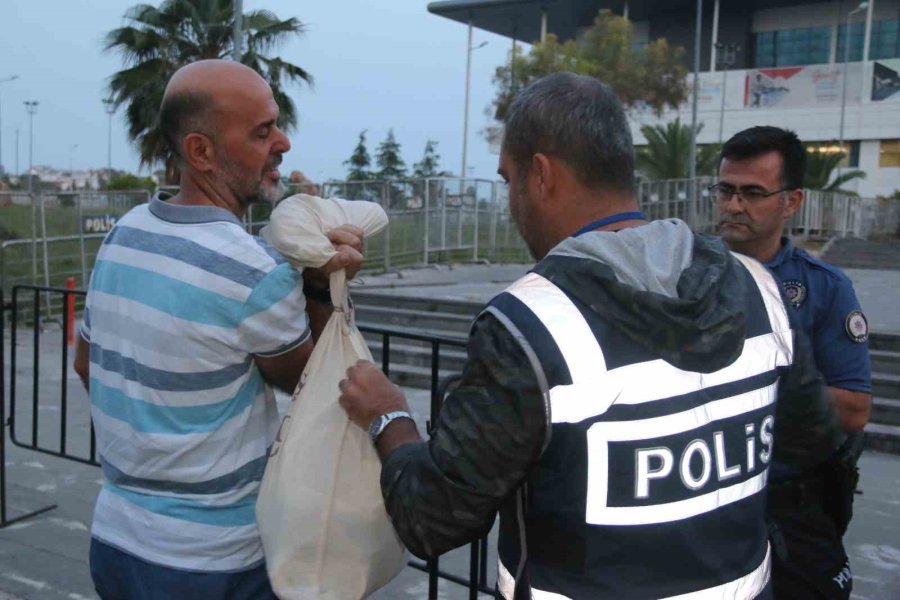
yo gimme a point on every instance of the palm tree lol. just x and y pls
(819, 169)
(667, 154)
(157, 41)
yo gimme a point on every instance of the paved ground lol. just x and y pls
(877, 291)
(45, 558)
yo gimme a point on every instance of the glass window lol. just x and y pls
(765, 49)
(789, 47)
(851, 151)
(890, 153)
(857, 38)
(885, 41)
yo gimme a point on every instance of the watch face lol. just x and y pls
(375, 427)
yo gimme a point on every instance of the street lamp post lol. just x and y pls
(862, 6)
(2, 81)
(31, 107)
(726, 55)
(71, 166)
(237, 50)
(109, 105)
(465, 148)
(693, 157)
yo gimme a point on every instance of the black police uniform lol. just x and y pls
(812, 510)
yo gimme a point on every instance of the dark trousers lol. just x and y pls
(118, 575)
(809, 561)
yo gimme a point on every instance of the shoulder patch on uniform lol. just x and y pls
(857, 326)
(795, 290)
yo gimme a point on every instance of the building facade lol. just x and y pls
(763, 62)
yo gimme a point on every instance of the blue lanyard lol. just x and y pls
(616, 218)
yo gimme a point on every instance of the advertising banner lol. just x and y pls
(886, 80)
(801, 87)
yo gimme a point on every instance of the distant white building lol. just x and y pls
(784, 66)
(65, 180)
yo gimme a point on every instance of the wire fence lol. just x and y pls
(48, 238)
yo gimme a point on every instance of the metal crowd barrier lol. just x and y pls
(477, 581)
(25, 308)
(33, 307)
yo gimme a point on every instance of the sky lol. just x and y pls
(377, 64)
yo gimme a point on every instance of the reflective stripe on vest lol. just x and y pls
(581, 352)
(770, 291)
(748, 586)
(639, 383)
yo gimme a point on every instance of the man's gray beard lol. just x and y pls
(270, 195)
(262, 195)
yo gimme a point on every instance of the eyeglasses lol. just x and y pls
(722, 192)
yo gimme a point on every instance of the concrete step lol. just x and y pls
(419, 355)
(873, 264)
(425, 304)
(867, 252)
(885, 361)
(883, 438)
(417, 377)
(884, 341)
(877, 264)
(856, 244)
(436, 322)
(840, 248)
(864, 254)
(868, 262)
(885, 411)
(885, 385)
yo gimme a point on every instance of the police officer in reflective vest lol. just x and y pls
(621, 403)
(759, 189)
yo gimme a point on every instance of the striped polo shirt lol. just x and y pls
(180, 299)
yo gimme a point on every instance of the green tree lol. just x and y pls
(390, 165)
(129, 181)
(429, 166)
(359, 162)
(820, 172)
(668, 151)
(156, 41)
(652, 76)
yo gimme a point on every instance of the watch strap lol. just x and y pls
(379, 424)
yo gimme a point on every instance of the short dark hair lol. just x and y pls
(183, 113)
(578, 120)
(757, 141)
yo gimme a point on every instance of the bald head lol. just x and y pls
(211, 77)
(199, 94)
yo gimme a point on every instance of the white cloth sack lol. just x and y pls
(320, 511)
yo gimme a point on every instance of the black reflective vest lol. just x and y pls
(652, 484)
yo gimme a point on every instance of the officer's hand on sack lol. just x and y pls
(367, 393)
(349, 242)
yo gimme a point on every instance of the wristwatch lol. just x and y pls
(379, 423)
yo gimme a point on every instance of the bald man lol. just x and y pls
(189, 322)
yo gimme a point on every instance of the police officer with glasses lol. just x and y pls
(760, 188)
